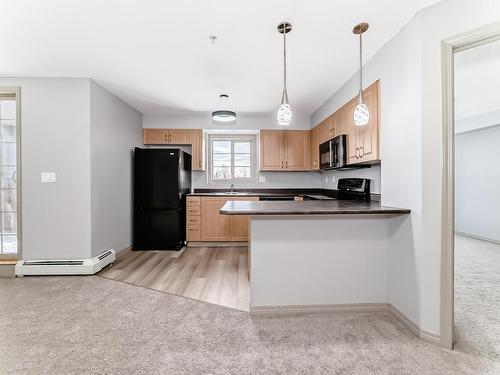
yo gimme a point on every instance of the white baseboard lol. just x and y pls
(88, 266)
(311, 309)
(477, 237)
(349, 308)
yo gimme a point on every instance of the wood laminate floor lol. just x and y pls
(216, 275)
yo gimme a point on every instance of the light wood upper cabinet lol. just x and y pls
(155, 136)
(297, 156)
(272, 144)
(363, 141)
(285, 150)
(167, 136)
(321, 133)
(197, 150)
(193, 137)
(179, 136)
(315, 137)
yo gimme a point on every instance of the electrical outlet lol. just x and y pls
(48, 177)
(326, 180)
(262, 179)
(333, 180)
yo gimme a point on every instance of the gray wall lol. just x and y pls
(115, 129)
(55, 134)
(477, 183)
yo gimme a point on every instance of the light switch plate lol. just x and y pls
(262, 179)
(48, 177)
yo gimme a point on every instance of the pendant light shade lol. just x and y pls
(223, 115)
(285, 111)
(361, 114)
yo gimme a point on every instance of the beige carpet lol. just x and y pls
(91, 325)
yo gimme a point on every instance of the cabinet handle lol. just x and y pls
(361, 154)
(286, 164)
(356, 153)
(282, 164)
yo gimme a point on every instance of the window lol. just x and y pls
(8, 175)
(231, 158)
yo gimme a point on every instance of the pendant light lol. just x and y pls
(223, 114)
(285, 111)
(361, 114)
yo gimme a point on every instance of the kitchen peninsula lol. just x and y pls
(318, 255)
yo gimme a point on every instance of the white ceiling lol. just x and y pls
(156, 55)
(477, 78)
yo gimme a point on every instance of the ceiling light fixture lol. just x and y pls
(223, 114)
(285, 111)
(361, 114)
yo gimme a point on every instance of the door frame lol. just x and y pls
(17, 91)
(449, 47)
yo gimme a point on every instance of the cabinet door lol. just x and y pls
(214, 226)
(271, 150)
(297, 150)
(325, 130)
(155, 136)
(240, 223)
(363, 141)
(179, 136)
(315, 137)
(197, 150)
(368, 135)
(352, 132)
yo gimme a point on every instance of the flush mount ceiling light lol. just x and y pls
(361, 114)
(223, 115)
(285, 111)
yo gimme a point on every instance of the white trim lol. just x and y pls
(315, 309)
(385, 308)
(234, 137)
(16, 90)
(477, 237)
(449, 47)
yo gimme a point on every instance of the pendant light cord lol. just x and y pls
(284, 56)
(360, 62)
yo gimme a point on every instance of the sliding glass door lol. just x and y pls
(8, 175)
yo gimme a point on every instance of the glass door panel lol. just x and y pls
(8, 176)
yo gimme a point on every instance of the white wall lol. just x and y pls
(398, 179)
(409, 67)
(55, 136)
(477, 183)
(115, 129)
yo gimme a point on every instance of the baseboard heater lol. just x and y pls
(87, 266)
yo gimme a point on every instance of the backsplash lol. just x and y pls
(329, 178)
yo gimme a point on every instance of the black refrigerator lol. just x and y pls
(162, 179)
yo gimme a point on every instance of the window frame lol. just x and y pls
(233, 138)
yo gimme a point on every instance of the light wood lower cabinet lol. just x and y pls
(282, 150)
(210, 225)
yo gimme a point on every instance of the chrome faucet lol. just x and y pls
(232, 188)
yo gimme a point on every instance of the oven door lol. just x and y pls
(325, 155)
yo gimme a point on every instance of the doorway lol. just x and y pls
(9, 174)
(477, 207)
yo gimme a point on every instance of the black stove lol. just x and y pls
(347, 189)
(353, 189)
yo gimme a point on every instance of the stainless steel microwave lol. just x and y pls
(333, 153)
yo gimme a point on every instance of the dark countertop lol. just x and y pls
(330, 207)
